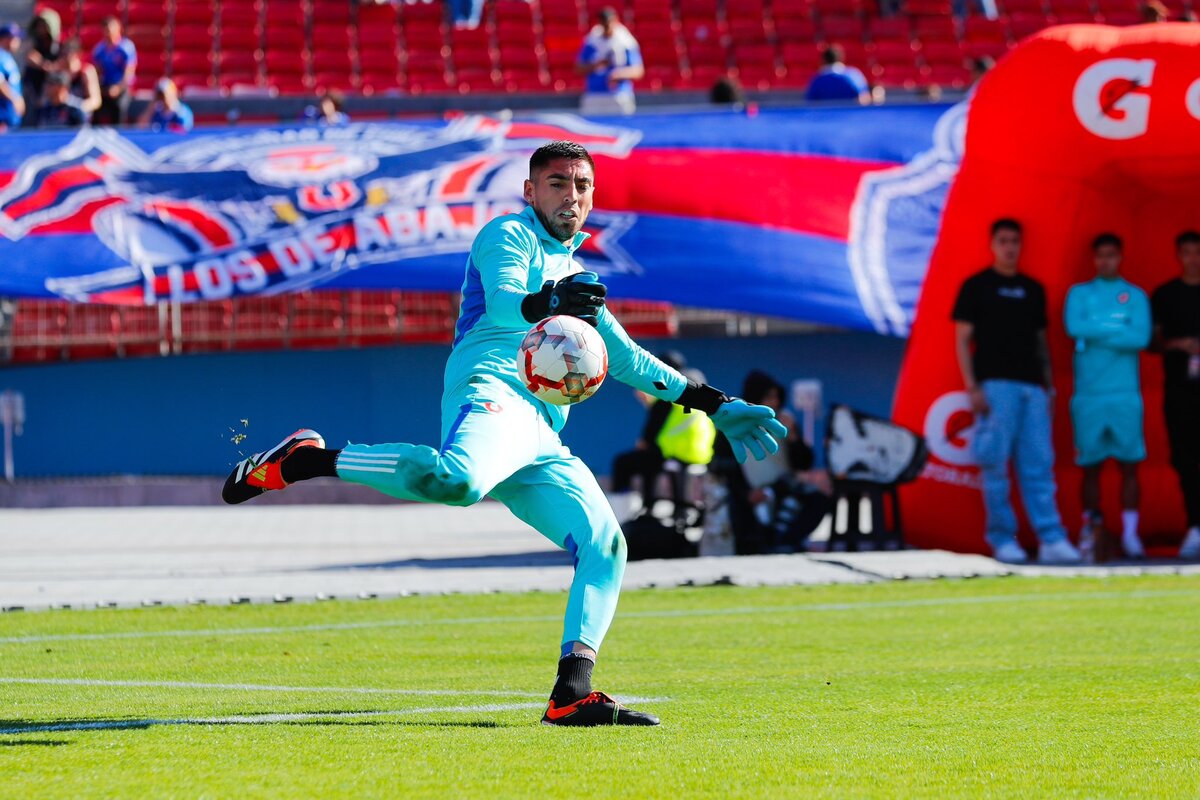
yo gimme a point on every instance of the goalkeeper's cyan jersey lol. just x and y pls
(512, 257)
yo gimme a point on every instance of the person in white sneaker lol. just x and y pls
(1109, 319)
(1000, 341)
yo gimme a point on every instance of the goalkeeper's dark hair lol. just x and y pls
(1187, 237)
(1107, 240)
(560, 149)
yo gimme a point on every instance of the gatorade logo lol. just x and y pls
(1110, 97)
(950, 429)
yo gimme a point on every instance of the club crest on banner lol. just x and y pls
(280, 210)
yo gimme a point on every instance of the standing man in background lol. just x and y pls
(1109, 319)
(115, 58)
(1002, 313)
(1176, 307)
(611, 61)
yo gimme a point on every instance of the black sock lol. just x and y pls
(308, 462)
(574, 679)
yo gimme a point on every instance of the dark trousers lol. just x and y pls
(112, 110)
(1182, 411)
(645, 464)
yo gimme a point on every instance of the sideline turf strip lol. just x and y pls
(1000, 687)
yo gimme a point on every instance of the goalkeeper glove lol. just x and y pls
(579, 295)
(745, 425)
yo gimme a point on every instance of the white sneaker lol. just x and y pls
(1132, 545)
(1010, 552)
(1060, 552)
(1191, 544)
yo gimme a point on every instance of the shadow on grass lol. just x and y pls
(550, 558)
(311, 718)
(32, 743)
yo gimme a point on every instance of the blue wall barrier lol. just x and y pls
(179, 416)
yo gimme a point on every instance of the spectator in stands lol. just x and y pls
(611, 60)
(980, 66)
(837, 81)
(116, 59)
(645, 460)
(776, 503)
(1176, 309)
(1109, 319)
(84, 80)
(12, 102)
(466, 13)
(330, 106)
(167, 112)
(1154, 11)
(60, 109)
(44, 50)
(1002, 314)
(727, 91)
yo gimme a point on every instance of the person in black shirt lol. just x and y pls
(1000, 341)
(1176, 309)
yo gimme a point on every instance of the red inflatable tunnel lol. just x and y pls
(1079, 130)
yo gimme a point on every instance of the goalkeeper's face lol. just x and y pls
(561, 196)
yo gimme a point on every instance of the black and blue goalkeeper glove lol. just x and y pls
(745, 425)
(579, 295)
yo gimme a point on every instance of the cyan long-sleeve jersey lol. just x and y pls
(511, 258)
(1110, 322)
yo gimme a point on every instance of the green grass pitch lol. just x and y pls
(980, 688)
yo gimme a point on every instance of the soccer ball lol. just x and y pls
(562, 360)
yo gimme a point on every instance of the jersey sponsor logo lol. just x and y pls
(283, 210)
(1012, 292)
(493, 407)
(1123, 298)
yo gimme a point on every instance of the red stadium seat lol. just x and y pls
(196, 38)
(982, 29)
(894, 53)
(330, 12)
(745, 9)
(748, 31)
(147, 12)
(803, 56)
(795, 29)
(943, 54)
(948, 76)
(240, 40)
(1026, 24)
(992, 50)
(856, 54)
(890, 28)
(898, 76)
(197, 12)
(239, 16)
(839, 28)
(92, 331)
(936, 29)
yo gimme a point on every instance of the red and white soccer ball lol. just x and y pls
(562, 360)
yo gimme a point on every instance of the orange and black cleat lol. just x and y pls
(596, 709)
(260, 472)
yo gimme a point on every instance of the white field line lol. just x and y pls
(868, 605)
(258, 687)
(268, 719)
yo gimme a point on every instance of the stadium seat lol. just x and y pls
(948, 76)
(898, 76)
(147, 12)
(316, 320)
(943, 54)
(894, 53)
(1023, 24)
(259, 323)
(748, 32)
(745, 9)
(935, 29)
(981, 29)
(40, 330)
(237, 68)
(92, 331)
(245, 16)
(199, 12)
(240, 40)
(841, 28)
(896, 29)
(795, 29)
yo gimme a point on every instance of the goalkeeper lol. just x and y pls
(499, 441)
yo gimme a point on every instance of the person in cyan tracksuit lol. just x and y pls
(1109, 319)
(500, 441)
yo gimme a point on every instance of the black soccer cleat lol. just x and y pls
(260, 472)
(596, 709)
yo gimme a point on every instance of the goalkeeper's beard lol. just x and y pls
(556, 228)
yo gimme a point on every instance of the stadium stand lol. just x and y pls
(412, 47)
(305, 46)
(52, 330)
